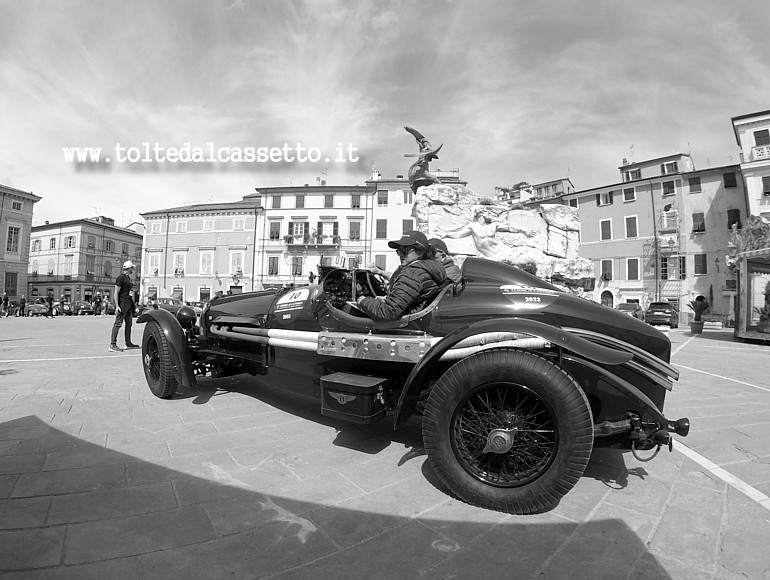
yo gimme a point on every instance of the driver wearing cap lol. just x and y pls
(414, 283)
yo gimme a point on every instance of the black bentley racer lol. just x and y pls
(515, 380)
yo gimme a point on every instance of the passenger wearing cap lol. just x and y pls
(442, 256)
(124, 307)
(414, 283)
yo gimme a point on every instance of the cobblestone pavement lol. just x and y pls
(100, 479)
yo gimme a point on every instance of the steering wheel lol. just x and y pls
(369, 283)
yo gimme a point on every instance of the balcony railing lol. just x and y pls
(309, 240)
(760, 152)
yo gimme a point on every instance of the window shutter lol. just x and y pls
(320, 229)
(291, 228)
(610, 196)
(598, 199)
(336, 230)
(698, 223)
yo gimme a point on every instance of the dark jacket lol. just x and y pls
(411, 288)
(452, 271)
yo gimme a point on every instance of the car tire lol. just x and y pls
(549, 422)
(156, 361)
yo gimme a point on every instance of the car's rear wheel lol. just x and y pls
(156, 360)
(508, 430)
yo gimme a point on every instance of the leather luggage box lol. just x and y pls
(354, 398)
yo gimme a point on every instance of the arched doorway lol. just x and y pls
(607, 299)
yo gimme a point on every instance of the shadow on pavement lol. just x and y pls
(77, 509)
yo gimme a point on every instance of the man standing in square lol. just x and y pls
(124, 307)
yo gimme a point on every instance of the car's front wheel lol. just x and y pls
(508, 430)
(156, 360)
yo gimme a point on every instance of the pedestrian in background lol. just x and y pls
(98, 305)
(50, 305)
(124, 307)
(105, 303)
(22, 305)
(4, 311)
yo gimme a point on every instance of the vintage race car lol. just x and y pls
(515, 380)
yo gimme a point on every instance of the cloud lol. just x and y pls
(515, 90)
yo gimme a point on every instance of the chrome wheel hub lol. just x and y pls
(500, 440)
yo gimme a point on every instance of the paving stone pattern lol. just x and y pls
(235, 479)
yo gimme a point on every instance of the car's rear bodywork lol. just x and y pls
(662, 313)
(551, 374)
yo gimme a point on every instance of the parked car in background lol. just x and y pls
(662, 313)
(82, 307)
(171, 304)
(36, 309)
(632, 309)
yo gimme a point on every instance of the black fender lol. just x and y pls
(555, 335)
(177, 341)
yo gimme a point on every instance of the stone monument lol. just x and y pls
(545, 238)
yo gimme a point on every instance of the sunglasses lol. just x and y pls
(404, 251)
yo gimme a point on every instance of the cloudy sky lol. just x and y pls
(516, 91)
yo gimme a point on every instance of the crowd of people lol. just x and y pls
(8, 307)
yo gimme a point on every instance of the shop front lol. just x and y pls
(751, 259)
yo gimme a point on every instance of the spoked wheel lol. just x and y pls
(156, 360)
(508, 430)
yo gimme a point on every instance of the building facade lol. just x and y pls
(311, 225)
(752, 132)
(662, 233)
(275, 237)
(16, 209)
(751, 246)
(196, 251)
(523, 192)
(79, 258)
(272, 238)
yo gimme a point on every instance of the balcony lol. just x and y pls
(760, 153)
(316, 241)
